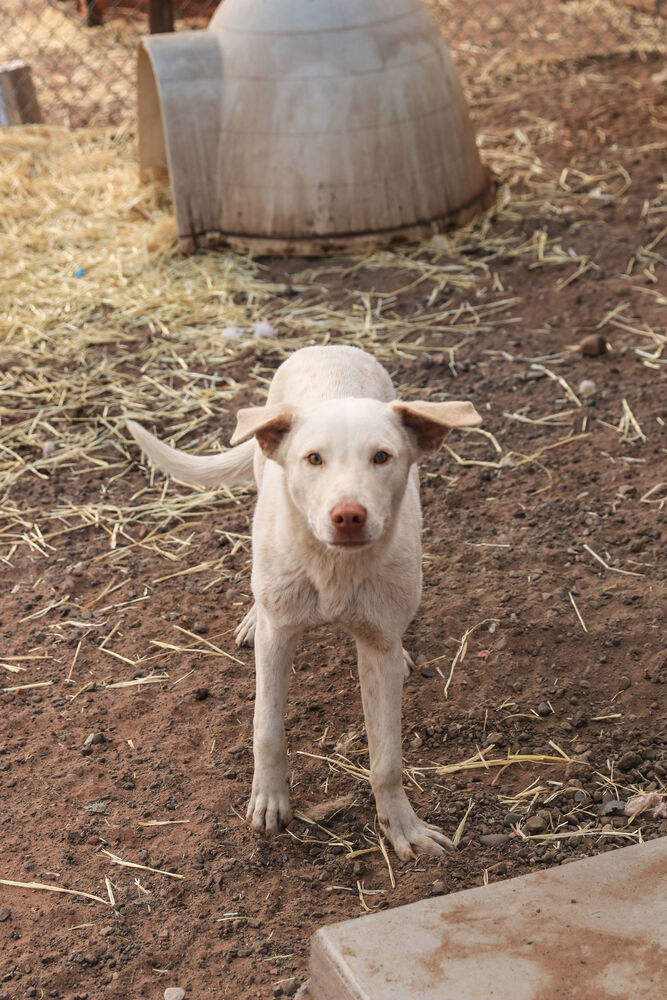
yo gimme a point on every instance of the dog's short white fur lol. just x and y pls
(336, 539)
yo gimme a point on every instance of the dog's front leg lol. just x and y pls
(269, 807)
(381, 674)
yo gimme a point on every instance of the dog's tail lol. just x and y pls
(229, 468)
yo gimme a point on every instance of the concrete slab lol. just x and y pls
(591, 930)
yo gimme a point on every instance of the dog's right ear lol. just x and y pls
(269, 424)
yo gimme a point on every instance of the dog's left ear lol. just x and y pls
(432, 422)
(269, 424)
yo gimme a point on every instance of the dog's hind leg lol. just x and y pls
(269, 807)
(244, 633)
(381, 677)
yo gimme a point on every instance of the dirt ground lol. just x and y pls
(540, 642)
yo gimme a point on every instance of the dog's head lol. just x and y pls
(347, 461)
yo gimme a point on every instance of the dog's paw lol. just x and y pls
(410, 836)
(269, 810)
(408, 664)
(244, 633)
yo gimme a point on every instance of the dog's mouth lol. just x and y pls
(349, 543)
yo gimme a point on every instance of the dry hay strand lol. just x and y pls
(132, 864)
(41, 886)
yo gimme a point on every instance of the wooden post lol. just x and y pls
(18, 100)
(160, 16)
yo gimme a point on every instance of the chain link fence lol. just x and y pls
(82, 52)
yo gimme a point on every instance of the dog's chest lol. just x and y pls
(343, 594)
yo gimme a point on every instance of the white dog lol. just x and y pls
(336, 538)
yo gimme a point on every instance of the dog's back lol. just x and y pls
(314, 374)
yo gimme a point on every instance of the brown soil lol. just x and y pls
(510, 540)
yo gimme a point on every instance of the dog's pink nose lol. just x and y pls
(348, 519)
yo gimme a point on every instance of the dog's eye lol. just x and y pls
(314, 458)
(380, 457)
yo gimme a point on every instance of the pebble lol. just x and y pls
(5, 914)
(494, 839)
(201, 693)
(498, 739)
(536, 824)
(543, 708)
(511, 819)
(174, 993)
(200, 628)
(629, 760)
(94, 739)
(106, 931)
(587, 387)
(428, 671)
(593, 346)
(624, 683)
(438, 888)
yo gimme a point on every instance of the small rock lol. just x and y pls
(200, 628)
(31, 992)
(428, 671)
(106, 931)
(594, 345)
(201, 693)
(587, 387)
(438, 888)
(86, 751)
(496, 738)
(629, 760)
(494, 839)
(94, 739)
(5, 914)
(624, 683)
(511, 819)
(289, 986)
(174, 993)
(543, 708)
(536, 824)
(579, 719)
